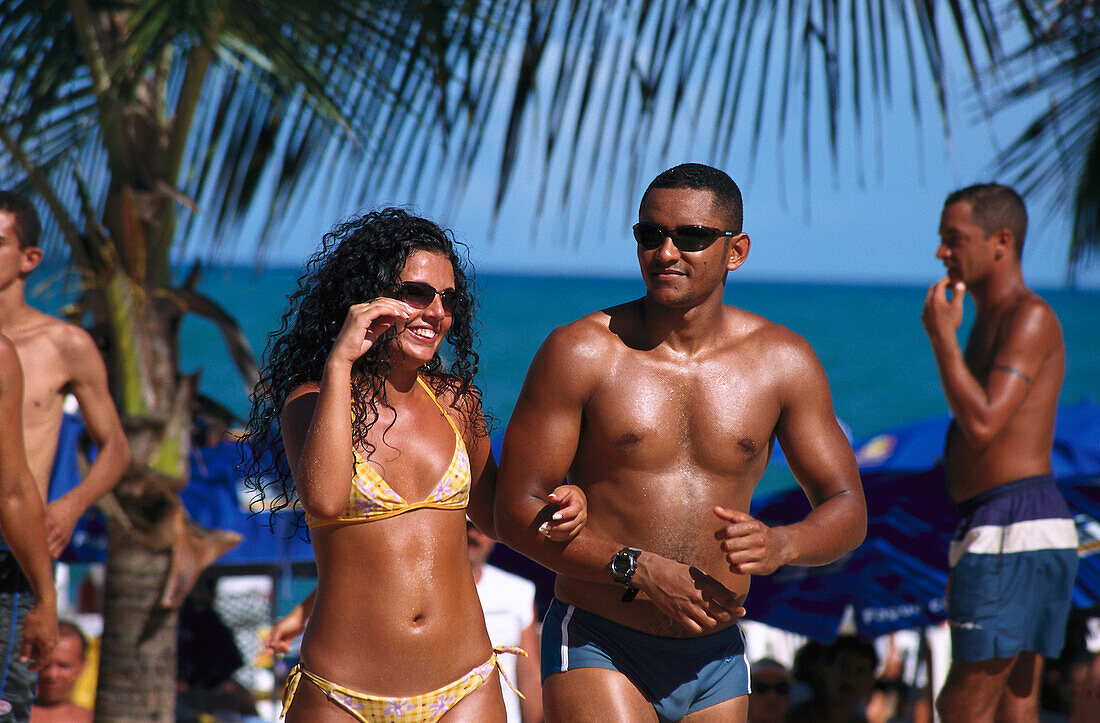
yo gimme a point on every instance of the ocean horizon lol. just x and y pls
(868, 336)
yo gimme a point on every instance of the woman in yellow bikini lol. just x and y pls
(386, 452)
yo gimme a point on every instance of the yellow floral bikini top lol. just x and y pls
(372, 499)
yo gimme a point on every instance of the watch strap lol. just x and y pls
(631, 554)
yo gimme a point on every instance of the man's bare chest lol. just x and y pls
(45, 379)
(721, 419)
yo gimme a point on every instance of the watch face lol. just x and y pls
(620, 564)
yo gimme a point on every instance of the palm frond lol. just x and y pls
(1057, 155)
(359, 96)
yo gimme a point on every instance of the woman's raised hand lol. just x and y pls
(364, 324)
(571, 515)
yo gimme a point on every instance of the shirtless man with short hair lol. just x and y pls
(665, 410)
(1014, 554)
(57, 359)
(54, 700)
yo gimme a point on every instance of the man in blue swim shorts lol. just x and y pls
(1014, 555)
(665, 410)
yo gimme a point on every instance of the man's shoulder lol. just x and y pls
(598, 323)
(763, 334)
(1033, 317)
(58, 333)
(1031, 304)
(590, 334)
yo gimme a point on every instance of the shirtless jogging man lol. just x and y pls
(664, 410)
(57, 359)
(1014, 554)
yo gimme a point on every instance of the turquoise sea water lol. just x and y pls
(869, 339)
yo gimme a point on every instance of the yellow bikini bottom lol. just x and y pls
(423, 708)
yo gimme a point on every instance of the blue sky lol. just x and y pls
(870, 220)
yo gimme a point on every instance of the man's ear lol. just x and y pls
(737, 250)
(32, 257)
(1004, 244)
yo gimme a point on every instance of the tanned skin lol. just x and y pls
(54, 700)
(1003, 394)
(57, 358)
(396, 612)
(23, 517)
(664, 411)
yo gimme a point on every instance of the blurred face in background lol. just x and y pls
(770, 696)
(56, 681)
(850, 678)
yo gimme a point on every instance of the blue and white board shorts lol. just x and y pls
(1013, 564)
(678, 675)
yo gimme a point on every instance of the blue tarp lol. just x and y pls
(214, 498)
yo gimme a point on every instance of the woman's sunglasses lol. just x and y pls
(686, 238)
(419, 295)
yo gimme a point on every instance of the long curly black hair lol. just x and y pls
(360, 259)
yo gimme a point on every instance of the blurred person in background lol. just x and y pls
(53, 702)
(1013, 557)
(508, 602)
(847, 681)
(770, 697)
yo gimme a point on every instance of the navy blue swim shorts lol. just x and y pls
(678, 675)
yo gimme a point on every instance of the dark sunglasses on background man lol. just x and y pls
(419, 295)
(780, 687)
(686, 238)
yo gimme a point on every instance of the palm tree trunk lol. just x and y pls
(137, 679)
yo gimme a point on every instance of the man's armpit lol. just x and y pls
(1012, 370)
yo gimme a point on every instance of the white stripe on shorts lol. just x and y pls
(745, 657)
(1027, 536)
(565, 638)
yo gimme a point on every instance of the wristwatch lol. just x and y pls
(622, 567)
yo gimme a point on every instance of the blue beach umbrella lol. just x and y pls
(895, 580)
(919, 446)
(1082, 493)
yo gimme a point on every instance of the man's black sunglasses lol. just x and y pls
(686, 238)
(780, 687)
(419, 295)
